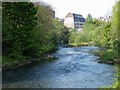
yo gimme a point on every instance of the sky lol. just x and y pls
(96, 8)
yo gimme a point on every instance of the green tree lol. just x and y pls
(114, 30)
(48, 32)
(89, 18)
(17, 25)
(89, 27)
(29, 31)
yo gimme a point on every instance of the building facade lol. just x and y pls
(75, 21)
(106, 19)
(53, 14)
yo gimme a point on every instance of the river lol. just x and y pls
(75, 67)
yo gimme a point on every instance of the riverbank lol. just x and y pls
(16, 64)
(106, 56)
(10, 64)
(77, 44)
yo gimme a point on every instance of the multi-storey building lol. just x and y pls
(75, 21)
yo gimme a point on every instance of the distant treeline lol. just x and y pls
(29, 31)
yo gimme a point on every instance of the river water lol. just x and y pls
(74, 68)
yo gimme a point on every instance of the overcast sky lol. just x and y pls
(95, 7)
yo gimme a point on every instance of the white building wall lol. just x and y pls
(69, 22)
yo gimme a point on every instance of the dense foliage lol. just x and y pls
(84, 36)
(100, 32)
(29, 31)
(103, 33)
(49, 32)
(17, 25)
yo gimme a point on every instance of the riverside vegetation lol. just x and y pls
(100, 33)
(103, 34)
(32, 33)
(29, 32)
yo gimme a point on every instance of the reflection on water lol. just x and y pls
(74, 68)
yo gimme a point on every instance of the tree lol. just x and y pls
(115, 31)
(29, 31)
(49, 32)
(18, 22)
(89, 19)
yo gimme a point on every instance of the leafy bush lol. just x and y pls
(108, 55)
